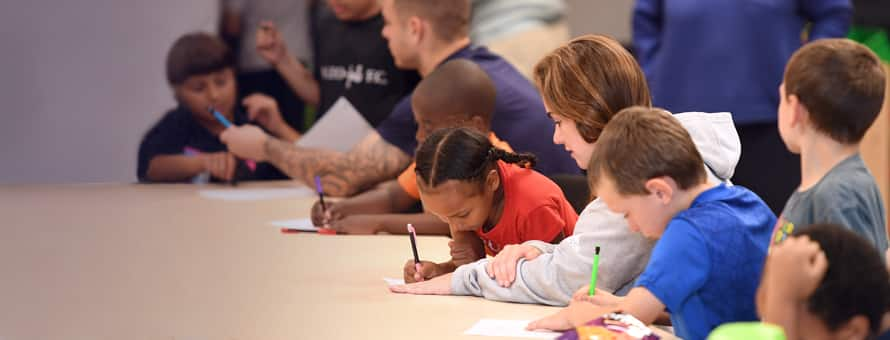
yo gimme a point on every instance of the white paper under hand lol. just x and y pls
(394, 282)
(508, 328)
(299, 224)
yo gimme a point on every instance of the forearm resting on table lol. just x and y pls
(639, 302)
(173, 168)
(386, 198)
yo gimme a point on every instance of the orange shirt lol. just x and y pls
(408, 178)
(535, 208)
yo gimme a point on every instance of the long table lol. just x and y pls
(131, 261)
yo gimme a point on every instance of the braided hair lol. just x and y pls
(461, 154)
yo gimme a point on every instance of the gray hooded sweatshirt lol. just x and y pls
(563, 268)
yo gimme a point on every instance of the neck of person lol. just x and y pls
(818, 155)
(437, 52)
(372, 12)
(684, 198)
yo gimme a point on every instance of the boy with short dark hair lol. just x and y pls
(712, 238)
(185, 143)
(825, 281)
(832, 92)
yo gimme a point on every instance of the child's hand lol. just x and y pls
(554, 322)
(466, 247)
(269, 44)
(417, 272)
(357, 225)
(440, 285)
(221, 165)
(601, 298)
(503, 267)
(246, 141)
(336, 210)
(319, 217)
(576, 314)
(263, 110)
(795, 268)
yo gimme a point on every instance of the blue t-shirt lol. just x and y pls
(179, 130)
(519, 117)
(706, 266)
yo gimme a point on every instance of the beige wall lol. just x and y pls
(82, 81)
(876, 147)
(609, 17)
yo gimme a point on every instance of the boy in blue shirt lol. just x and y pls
(712, 238)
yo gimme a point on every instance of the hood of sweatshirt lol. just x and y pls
(715, 136)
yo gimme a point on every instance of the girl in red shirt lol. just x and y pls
(489, 197)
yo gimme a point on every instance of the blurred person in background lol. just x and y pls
(521, 31)
(729, 56)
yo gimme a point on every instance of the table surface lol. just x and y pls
(131, 261)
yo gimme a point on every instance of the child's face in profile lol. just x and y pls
(400, 38)
(215, 89)
(464, 205)
(645, 214)
(786, 117)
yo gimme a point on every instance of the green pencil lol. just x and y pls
(594, 270)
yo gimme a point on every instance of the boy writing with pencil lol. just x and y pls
(712, 238)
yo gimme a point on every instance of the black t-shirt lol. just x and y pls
(352, 59)
(178, 130)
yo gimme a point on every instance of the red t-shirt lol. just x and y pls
(534, 209)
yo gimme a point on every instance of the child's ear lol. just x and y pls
(855, 328)
(492, 180)
(661, 189)
(799, 112)
(176, 96)
(416, 28)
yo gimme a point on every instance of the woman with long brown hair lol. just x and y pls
(584, 83)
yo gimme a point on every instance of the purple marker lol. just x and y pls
(320, 194)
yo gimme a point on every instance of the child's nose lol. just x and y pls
(213, 93)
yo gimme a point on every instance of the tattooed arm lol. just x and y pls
(370, 162)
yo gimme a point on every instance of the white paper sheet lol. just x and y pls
(341, 128)
(508, 328)
(301, 224)
(394, 282)
(238, 194)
